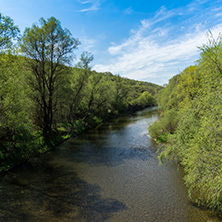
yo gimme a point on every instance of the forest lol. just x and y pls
(190, 129)
(45, 100)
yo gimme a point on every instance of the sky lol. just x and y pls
(143, 40)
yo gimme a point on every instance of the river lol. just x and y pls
(107, 174)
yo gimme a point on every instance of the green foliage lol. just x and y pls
(195, 142)
(163, 138)
(175, 99)
(15, 124)
(8, 32)
(145, 100)
(85, 59)
(166, 125)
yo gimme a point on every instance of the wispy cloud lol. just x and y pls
(164, 44)
(128, 11)
(91, 5)
(85, 2)
(88, 44)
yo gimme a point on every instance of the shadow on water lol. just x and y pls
(110, 156)
(111, 144)
(55, 193)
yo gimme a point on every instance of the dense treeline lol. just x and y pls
(190, 123)
(43, 100)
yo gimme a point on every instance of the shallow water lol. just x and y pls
(108, 174)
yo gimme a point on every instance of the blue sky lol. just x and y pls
(143, 40)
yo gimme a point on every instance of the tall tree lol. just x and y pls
(48, 48)
(8, 31)
(78, 82)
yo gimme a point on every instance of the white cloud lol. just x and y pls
(219, 14)
(93, 5)
(160, 48)
(85, 2)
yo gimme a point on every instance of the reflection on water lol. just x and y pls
(108, 174)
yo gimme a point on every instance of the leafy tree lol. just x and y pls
(145, 100)
(99, 94)
(211, 53)
(48, 47)
(175, 99)
(8, 32)
(15, 125)
(120, 94)
(78, 83)
(85, 59)
(195, 142)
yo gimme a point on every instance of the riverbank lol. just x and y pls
(190, 123)
(66, 133)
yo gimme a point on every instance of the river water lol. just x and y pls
(108, 174)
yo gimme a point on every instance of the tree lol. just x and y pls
(121, 92)
(85, 59)
(8, 31)
(193, 98)
(78, 82)
(211, 52)
(48, 48)
(145, 100)
(14, 116)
